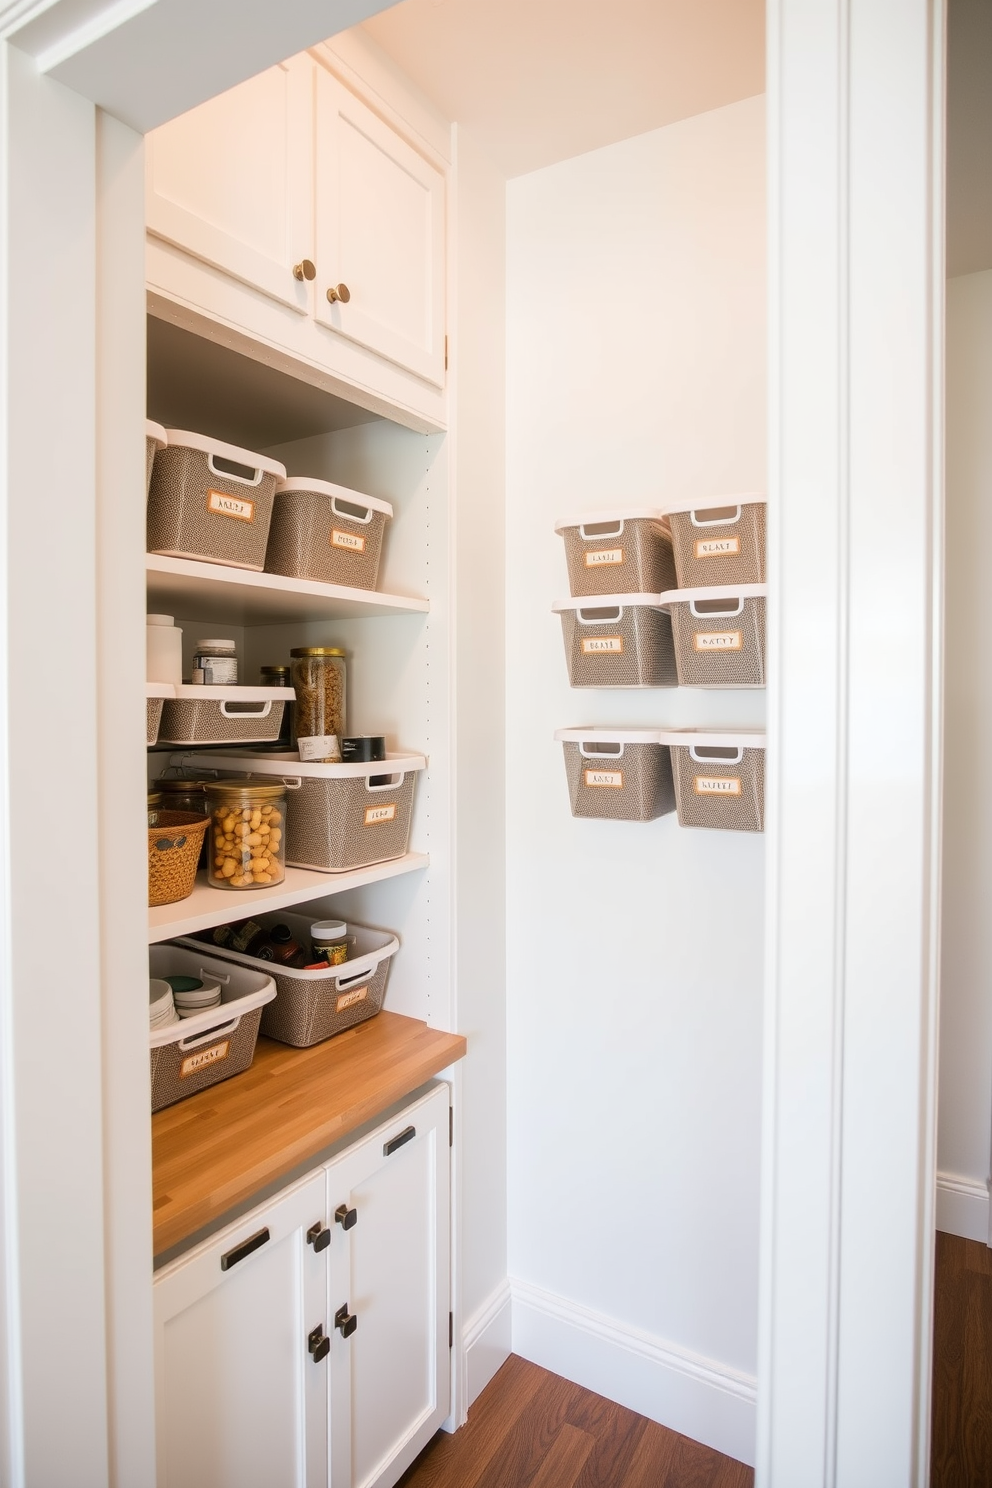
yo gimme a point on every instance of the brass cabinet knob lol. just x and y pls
(305, 269)
(339, 292)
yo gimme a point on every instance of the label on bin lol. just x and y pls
(375, 814)
(223, 505)
(348, 999)
(718, 547)
(718, 785)
(718, 640)
(600, 557)
(349, 540)
(193, 1063)
(613, 778)
(593, 645)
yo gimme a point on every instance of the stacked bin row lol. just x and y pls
(666, 598)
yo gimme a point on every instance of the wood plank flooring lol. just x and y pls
(531, 1429)
(961, 1420)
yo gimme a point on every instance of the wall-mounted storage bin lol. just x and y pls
(623, 552)
(720, 540)
(719, 635)
(224, 715)
(312, 1006)
(155, 694)
(155, 439)
(327, 533)
(617, 774)
(212, 1046)
(623, 640)
(719, 778)
(211, 501)
(338, 817)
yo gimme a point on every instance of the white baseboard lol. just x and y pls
(963, 1207)
(695, 1396)
(486, 1342)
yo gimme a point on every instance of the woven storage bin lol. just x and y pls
(315, 1005)
(618, 553)
(627, 643)
(326, 533)
(203, 1050)
(337, 817)
(224, 715)
(211, 501)
(617, 774)
(155, 439)
(155, 695)
(174, 844)
(721, 541)
(719, 636)
(719, 778)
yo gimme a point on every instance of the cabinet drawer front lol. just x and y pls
(379, 210)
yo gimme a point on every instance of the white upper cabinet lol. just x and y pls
(379, 217)
(230, 182)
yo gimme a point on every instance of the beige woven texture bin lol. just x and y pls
(211, 501)
(720, 542)
(618, 553)
(617, 775)
(719, 779)
(719, 636)
(623, 641)
(326, 533)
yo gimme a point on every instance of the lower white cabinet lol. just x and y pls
(308, 1343)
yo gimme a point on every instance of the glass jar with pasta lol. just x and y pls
(319, 715)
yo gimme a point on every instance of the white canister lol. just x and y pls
(164, 650)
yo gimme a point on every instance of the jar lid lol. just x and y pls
(235, 787)
(159, 620)
(275, 671)
(329, 930)
(181, 785)
(227, 645)
(316, 651)
(154, 796)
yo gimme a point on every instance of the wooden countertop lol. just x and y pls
(217, 1149)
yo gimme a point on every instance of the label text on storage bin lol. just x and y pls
(718, 547)
(613, 778)
(601, 556)
(375, 814)
(193, 1063)
(348, 999)
(349, 540)
(718, 640)
(223, 505)
(593, 645)
(718, 785)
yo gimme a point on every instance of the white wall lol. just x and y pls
(965, 1108)
(635, 372)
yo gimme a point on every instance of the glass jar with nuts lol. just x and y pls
(247, 834)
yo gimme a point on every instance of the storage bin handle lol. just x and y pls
(210, 1036)
(715, 754)
(391, 782)
(214, 976)
(246, 710)
(600, 615)
(231, 474)
(366, 967)
(293, 782)
(592, 531)
(351, 516)
(607, 754)
(722, 519)
(715, 613)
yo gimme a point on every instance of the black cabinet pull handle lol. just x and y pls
(345, 1217)
(345, 1320)
(407, 1135)
(232, 1257)
(319, 1344)
(318, 1237)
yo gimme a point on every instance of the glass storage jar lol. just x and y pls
(278, 676)
(247, 834)
(215, 663)
(319, 684)
(186, 795)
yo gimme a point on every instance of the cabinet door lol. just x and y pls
(240, 1401)
(379, 210)
(390, 1378)
(231, 182)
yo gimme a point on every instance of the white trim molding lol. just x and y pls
(708, 1401)
(963, 1207)
(486, 1342)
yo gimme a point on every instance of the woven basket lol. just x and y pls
(174, 844)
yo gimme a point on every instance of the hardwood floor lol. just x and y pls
(961, 1420)
(531, 1429)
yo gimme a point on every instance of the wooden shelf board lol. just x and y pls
(206, 907)
(219, 1148)
(210, 591)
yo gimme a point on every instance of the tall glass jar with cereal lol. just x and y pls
(247, 834)
(319, 715)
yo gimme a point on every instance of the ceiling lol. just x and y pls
(539, 81)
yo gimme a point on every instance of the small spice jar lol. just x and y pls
(278, 676)
(319, 684)
(329, 942)
(247, 834)
(215, 663)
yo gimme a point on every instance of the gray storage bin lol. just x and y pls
(719, 778)
(624, 552)
(719, 635)
(155, 696)
(224, 715)
(211, 501)
(617, 774)
(624, 640)
(326, 533)
(718, 541)
(155, 440)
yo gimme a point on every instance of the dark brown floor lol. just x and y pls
(530, 1429)
(961, 1421)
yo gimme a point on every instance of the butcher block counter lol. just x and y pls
(223, 1147)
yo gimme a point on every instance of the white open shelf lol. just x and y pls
(206, 907)
(240, 597)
